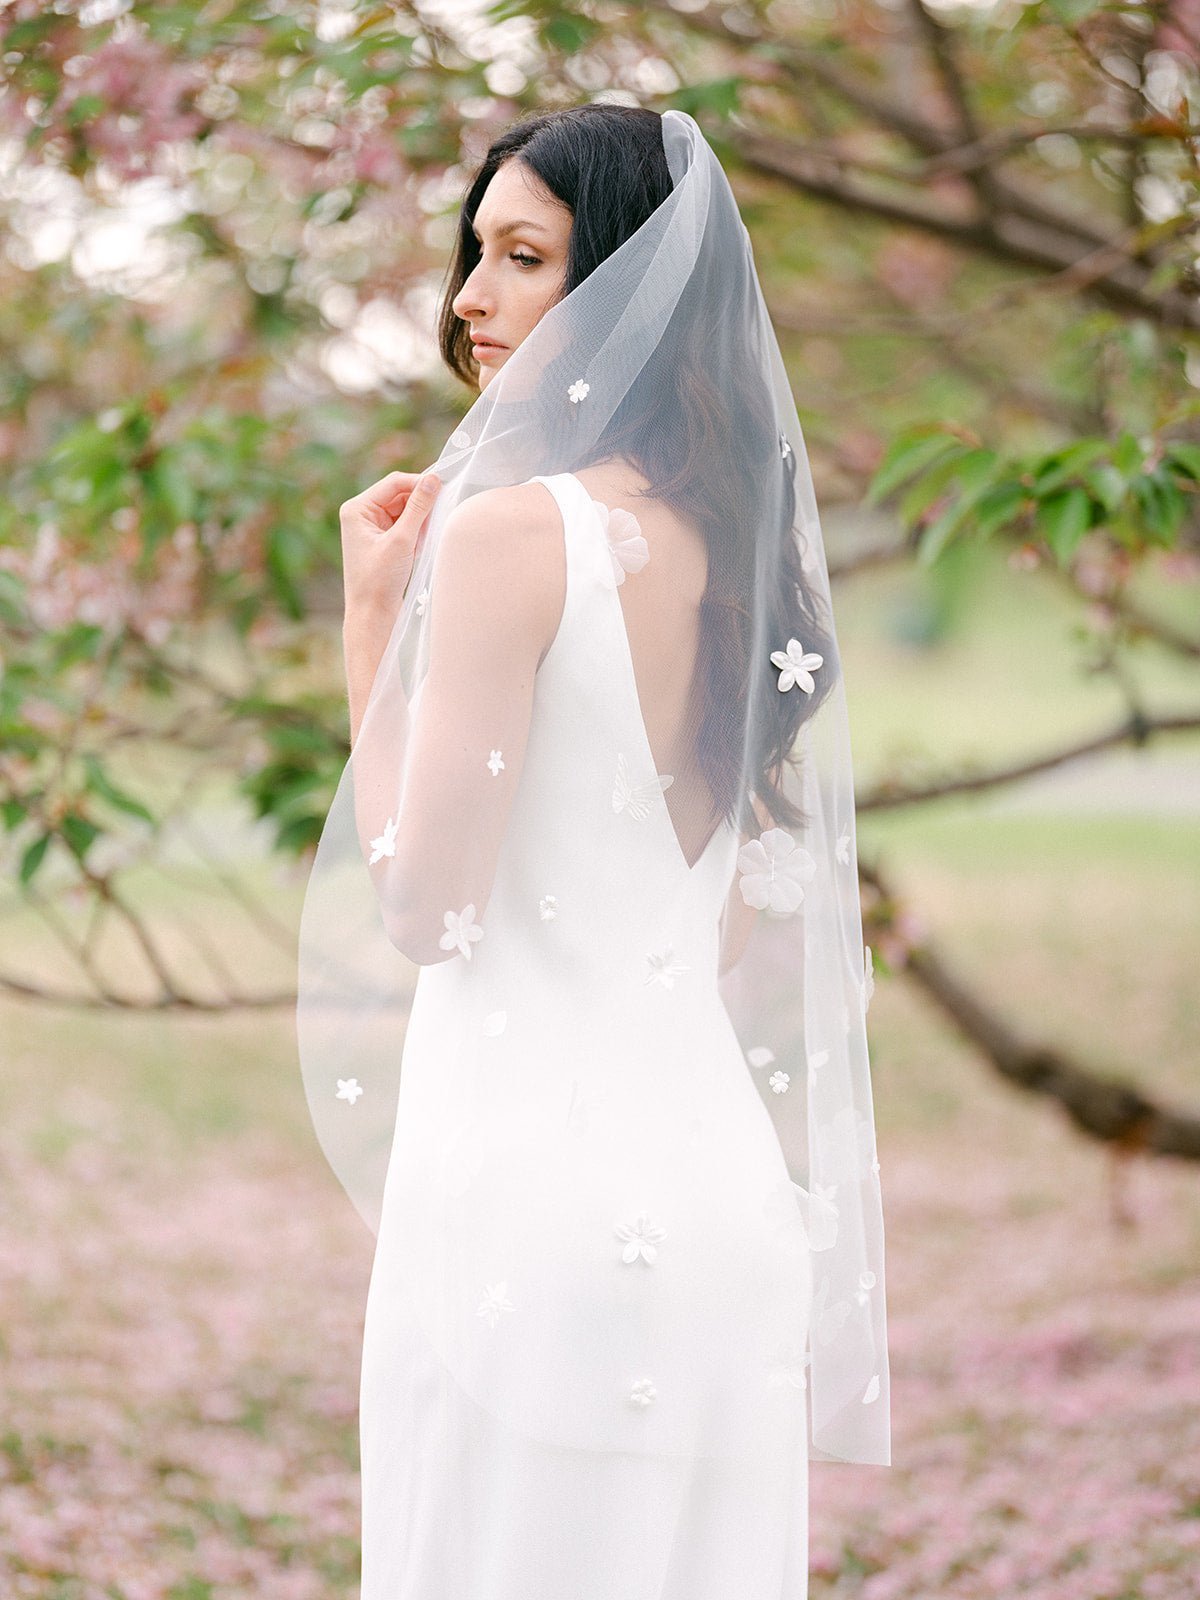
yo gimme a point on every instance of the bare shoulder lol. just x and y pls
(501, 552)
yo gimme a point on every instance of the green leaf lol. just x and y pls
(1064, 518)
(1184, 456)
(78, 833)
(1128, 455)
(971, 478)
(33, 857)
(906, 457)
(99, 783)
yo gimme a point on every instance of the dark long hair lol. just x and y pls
(607, 164)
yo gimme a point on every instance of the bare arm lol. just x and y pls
(496, 593)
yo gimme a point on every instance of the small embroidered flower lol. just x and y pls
(773, 869)
(637, 798)
(868, 976)
(461, 930)
(495, 763)
(385, 845)
(794, 665)
(843, 847)
(349, 1089)
(586, 1102)
(643, 1392)
(494, 1024)
(789, 1367)
(871, 1392)
(422, 602)
(495, 1301)
(627, 546)
(663, 967)
(461, 439)
(578, 391)
(816, 1062)
(866, 1282)
(760, 1056)
(822, 1216)
(641, 1238)
(548, 907)
(779, 1081)
(785, 448)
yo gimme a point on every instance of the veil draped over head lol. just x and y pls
(665, 355)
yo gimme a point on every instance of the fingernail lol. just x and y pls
(431, 481)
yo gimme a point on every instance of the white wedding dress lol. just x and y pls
(583, 1371)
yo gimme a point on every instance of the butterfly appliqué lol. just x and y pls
(637, 798)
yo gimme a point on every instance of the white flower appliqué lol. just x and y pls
(641, 1238)
(462, 931)
(843, 847)
(789, 1367)
(578, 391)
(662, 966)
(548, 907)
(349, 1089)
(815, 1063)
(871, 1392)
(868, 976)
(495, 1301)
(761, 1055)
(779, 1081)
(422, 602)
(643, 1392)
(460, 439)
(785, 448)
(866, 1282)
(626, 543)
(794, 665)
(637, 798)
(385, 844)
(495, 763)
(773, 870)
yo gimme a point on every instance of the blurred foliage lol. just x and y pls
(226, 229)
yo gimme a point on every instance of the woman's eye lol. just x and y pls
(526, 261)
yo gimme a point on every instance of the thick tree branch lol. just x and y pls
(1136, 730)
(1106, 1108)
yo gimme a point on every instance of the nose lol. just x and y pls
(475, 300)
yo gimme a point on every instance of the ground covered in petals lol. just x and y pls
(182, 1286)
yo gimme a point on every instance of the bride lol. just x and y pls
(582, 985)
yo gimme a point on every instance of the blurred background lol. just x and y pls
(224, 231)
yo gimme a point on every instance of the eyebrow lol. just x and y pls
(520, 226)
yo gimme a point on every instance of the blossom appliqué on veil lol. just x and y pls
(641, 1238)
(349, 1089)
(462, 931)
(643, 1392)
(495, 1301)
(578, 391)
(385, 844)
(796, 666)
(664, 966)
(774, 870)
(627, 547)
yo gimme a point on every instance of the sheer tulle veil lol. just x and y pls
(665, 352)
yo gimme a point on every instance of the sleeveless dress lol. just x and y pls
(584, 1343)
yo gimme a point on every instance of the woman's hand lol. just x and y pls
(381, 530)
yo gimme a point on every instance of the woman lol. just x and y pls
(628, 1278)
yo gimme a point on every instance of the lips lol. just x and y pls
(481, 343)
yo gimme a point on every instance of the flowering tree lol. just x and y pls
(226, 230)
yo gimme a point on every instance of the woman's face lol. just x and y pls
(523, 233)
